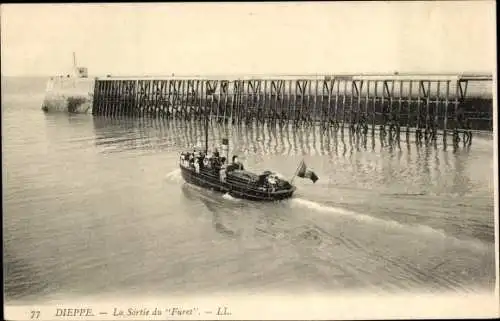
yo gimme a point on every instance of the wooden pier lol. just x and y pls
(427, 105)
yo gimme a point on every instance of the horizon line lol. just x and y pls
(293, 74)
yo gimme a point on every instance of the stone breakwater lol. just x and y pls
(69, 94)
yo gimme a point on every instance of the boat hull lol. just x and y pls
(212, 182)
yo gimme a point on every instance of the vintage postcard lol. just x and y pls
(250, 161)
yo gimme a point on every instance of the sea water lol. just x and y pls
(95, 206)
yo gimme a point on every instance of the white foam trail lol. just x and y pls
(228, 197)
(202, 190)
(388, 223)
(174, 175)
(330, 209)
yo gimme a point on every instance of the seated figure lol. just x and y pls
(235, 165)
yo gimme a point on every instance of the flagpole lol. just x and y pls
(296, 171)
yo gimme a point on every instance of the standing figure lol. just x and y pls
(197, 165)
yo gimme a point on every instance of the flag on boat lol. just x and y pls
(305, 172)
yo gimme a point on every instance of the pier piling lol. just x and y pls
(389, 102)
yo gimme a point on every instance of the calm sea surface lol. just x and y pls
(96, 206)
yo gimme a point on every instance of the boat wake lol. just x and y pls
(174, 176)
(228, 197)
(212, 196)
(416, 228)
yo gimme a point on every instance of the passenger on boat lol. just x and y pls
(221, 167)
(271, 181)
(236, 165)
(222, 174)
(197, 165)
(182, 158)
(216, 153)
(267, 181)
(189, 158)
(206, 162)
(216, 161)
(210, 160)
(201, 162)
(191, 161)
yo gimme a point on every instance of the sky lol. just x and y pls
(250, 38)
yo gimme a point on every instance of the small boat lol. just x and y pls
(237, 182)
(210, 171)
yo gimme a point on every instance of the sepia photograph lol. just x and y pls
(250, 161)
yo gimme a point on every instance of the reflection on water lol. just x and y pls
(100, 207)
(394, 161)
(310, 140)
